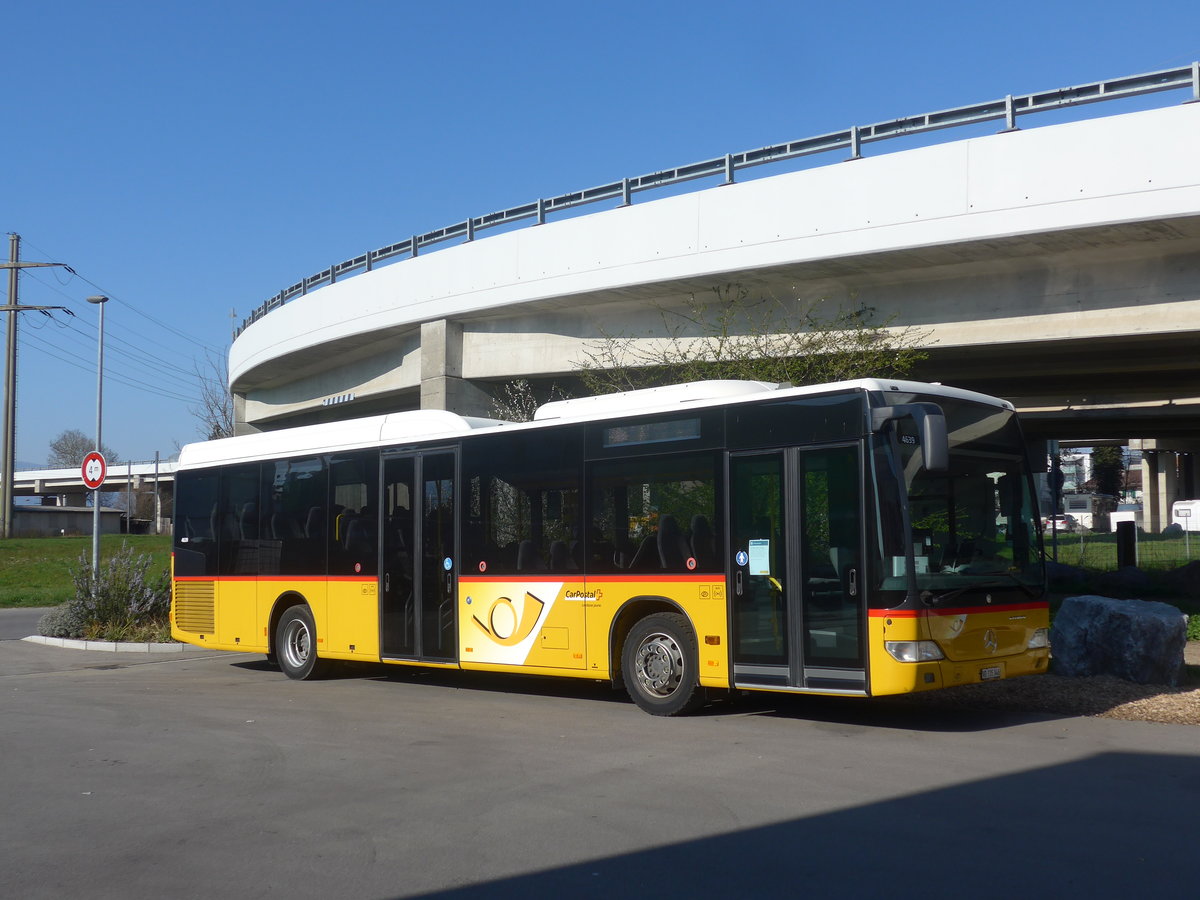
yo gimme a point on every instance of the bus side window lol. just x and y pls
(639, 509)
(522, 505)
(297, 494)
(352, 526)
(235, 520)
(196, 512)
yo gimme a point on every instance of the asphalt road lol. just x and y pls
(18, 623)
(211, 776)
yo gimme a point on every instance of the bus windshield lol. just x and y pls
(974, 526)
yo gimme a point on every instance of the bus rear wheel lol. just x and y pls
(295, 647)
(659, 665)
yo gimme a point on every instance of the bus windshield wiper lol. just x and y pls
(931, 599)
(1019, 583)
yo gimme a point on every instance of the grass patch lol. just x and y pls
(37, 571)
(1155, 552)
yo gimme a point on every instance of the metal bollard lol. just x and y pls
(1126, 544)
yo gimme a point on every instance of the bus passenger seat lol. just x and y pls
(673, 549)
(284, 528)
(248, 522)
(314, 525)
(528, 557)
(560, 557)
(704, 545)
(359, 537)
(646, 556)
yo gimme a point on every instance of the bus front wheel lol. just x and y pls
(295, 647)
(659, 665)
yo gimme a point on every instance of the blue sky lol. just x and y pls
(189, 160)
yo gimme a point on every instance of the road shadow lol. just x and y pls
(906, 713)
(1112, 825)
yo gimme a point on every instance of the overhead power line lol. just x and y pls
(183, 335)
(154, 366)
(81, 323)
(119, 377)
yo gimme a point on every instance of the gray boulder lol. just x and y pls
(1137, 640)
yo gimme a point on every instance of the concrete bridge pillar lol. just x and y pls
(1189, 476)
(1160, 485)
(240, 425)
(442, 384)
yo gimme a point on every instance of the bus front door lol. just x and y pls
(796, 586)
(418, 570)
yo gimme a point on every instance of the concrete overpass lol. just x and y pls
(64, 488)
(1057, 266)
(69, 482)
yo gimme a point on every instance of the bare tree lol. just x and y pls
(215, 409)
(71, 446)
(68, 450)
(734, 335)
(519, 399)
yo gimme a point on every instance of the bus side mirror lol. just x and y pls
(931, 424)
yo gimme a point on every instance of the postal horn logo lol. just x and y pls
(506, 625)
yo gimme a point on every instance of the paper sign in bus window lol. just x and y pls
(760, 556)
(900, 567)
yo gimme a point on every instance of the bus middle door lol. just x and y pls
(418, 573)
(797, 582)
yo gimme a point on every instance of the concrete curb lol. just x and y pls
(109, 646)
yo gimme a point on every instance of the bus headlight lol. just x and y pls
(913, 651)
(1040, 639)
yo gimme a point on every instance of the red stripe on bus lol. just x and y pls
(282, 579)
(650, 576)
(509, 579)
(593, 579)
(954, 611)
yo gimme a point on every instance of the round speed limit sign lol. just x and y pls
(94, 470)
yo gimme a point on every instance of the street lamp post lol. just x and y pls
(99, 301)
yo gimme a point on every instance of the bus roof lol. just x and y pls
(331, 437)
(432, 424)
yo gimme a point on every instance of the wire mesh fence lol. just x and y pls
(1098, 550)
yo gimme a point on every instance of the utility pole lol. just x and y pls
(8, 440)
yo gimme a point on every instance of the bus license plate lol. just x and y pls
(989, 673)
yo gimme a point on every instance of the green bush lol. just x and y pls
(64, 621)
(125, 603)
(1193, 632)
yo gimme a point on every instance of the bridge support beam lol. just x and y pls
(442, 384)
(240, 425)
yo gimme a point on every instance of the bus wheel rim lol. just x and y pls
(659, 664)
(296, 643)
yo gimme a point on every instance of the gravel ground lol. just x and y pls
(1102, 696)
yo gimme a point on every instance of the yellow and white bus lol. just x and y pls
(861, 538)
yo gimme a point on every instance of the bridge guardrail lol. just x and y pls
(852, 138)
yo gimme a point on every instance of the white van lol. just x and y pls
(1186, 514)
